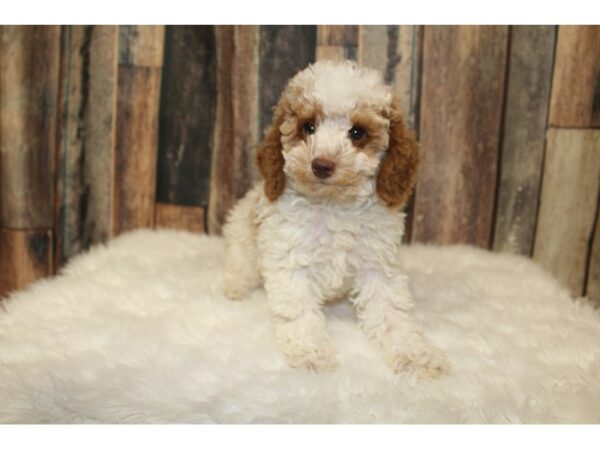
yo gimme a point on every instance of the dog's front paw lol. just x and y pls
(424, 361)
(234, 287)
(314, 358)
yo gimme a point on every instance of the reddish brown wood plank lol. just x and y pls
(25, 256)
(462, 96)
(568, 204)
(87, 138)
(236, 122)
(188, 218)
(137, 139)
(137, 128)
(29, 69)
(576, 86)
(525, 116)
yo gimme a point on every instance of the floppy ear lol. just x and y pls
(269, 158)
(398, 168)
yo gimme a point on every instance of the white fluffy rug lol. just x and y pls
(138, 332)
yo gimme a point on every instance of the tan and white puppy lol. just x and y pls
(337, 163)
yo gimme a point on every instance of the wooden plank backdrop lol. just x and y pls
(153, 126)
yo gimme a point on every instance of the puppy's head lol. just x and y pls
(337, 134)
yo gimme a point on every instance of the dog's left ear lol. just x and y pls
(398, 169)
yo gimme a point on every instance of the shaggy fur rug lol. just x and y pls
(138, 331)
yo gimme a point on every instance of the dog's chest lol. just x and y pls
(331, 245)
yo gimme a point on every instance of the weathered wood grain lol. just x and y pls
(576, 86)
(341, 35)
(87, 138)
(337, 42)
(141, 45)
(29, 70)
(592, 290)
(395, 51)
(136, 144)
(525, 117)
(137, 128)
(284, 50)
(568, 204)
(236, 120)
(188, 218)
(25, 256)
(462, 96)
(188, 97)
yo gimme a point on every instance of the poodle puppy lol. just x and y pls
(325, 222)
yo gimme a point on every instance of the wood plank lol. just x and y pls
(236, 120)
(188, 96)
(284, 50)
(576, 86)
(87, 138)
(141, 52)
(396, 52)
(187, 218)
(136, 146)
(525, 116)
(337, 42)
(462, 96)
(29, 70)
(141, 45)
(25, 256)
(341, 35)
(568, 204)
(592, 290)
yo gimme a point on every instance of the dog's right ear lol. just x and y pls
(269, 157)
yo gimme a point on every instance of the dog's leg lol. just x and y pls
(241, 273)
(384, 306)
(299, 321)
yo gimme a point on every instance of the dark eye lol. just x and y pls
(309, 127)
(357, 133)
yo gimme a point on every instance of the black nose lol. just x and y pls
(322, 168)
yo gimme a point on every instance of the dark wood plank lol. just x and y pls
(462, 96)
(141, 51)
(568, 204)
(87, 138)
(525, 116)
(592, 290)
(25, 256)
(236, 120)
(187, 218)
(188, 97)
(576, 86)
(29, 70)
(284, 50)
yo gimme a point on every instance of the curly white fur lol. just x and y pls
(325, 240)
